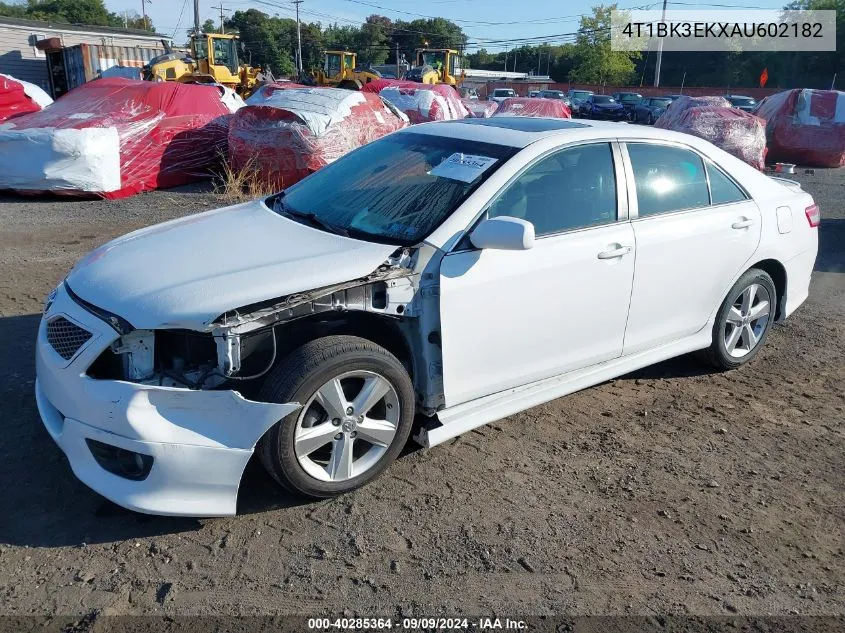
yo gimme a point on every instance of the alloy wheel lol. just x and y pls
(347, 426)
(746, 321)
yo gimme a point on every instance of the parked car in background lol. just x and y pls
(577, 99)
(629, 101)
(650, 108)
(469, 93)
(533, 94)
(556, 94)
(500, 94)
(741, 102)
(603, 107)
(402, 280)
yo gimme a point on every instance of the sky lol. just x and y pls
(493, 24)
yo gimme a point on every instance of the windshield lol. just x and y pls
(602, 99)
(741, 100)
(226, 54)
(503, 93)
(661, 103)
(581, 94)
(396, 190)
(552, 94)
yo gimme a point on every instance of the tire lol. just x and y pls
(650, 120)
(745, 319)
(320, 365)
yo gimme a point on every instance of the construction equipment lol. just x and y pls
(340, 69)
(213, 59)
(437, 66)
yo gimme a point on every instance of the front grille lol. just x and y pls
(66, 337)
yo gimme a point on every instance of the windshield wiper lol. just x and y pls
(312, 218)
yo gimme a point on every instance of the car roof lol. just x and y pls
(739, 97)
(519, 132)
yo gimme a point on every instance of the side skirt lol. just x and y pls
(461, 418)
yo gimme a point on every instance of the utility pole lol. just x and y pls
(144, 12)
(197, 29)
(298, 39)
(222, 9)
(659, 51)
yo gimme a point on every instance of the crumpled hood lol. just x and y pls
(186, 272)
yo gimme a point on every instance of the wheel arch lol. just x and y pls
(777, 272)
(381, 330)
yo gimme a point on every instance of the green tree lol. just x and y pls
(266, 40)
(596, 62)
(92, 12)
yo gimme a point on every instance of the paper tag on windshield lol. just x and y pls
(463, 167)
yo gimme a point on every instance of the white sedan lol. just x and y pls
(458, 272)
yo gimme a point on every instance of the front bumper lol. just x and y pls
(200, 441)
(612, 115)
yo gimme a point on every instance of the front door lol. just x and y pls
(512, 317)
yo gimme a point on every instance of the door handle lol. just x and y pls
(619, 251)
(742, 224)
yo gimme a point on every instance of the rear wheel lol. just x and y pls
(743, 321)
(357, 412)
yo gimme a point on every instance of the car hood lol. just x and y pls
(187, 272)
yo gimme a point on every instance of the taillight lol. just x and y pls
(813, 215)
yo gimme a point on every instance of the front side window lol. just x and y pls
(571, 189)
(332, 64)
(396, 190)
(722, 189)
(200, 48)
(225, 54)
(667, 178)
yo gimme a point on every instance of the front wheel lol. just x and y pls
(743, 321)
(356, 416)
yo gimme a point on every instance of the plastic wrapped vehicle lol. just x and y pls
(20, 97)
(421, 103)
(292, 133)
(733, 130)
(262, 92)
(674, 112)
(117, 137)
(480, 109)
(805, 127)
(524, 106)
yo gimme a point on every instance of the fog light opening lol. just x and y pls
(121, 462)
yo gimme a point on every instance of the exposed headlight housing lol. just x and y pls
(50, 298)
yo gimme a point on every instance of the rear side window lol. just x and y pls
(722, 189)
(667, 179)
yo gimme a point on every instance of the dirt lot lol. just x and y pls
(674, 490)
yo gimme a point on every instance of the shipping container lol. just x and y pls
(72, 66)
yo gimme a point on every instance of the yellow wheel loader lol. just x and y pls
(437, 66)
(213, 59)
(340, 69)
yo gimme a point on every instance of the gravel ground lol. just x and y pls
(672, 490)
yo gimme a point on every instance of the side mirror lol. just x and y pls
(503, 233)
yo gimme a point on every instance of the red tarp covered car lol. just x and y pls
(420, 102)
(712, 118)
(806, 127)
(117, 137)
(479, 109)
(292, 133)
(20, 97)
(524, 106)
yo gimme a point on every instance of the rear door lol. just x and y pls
(695, 230)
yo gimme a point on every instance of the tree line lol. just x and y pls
(91, 12)
(270, 41)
